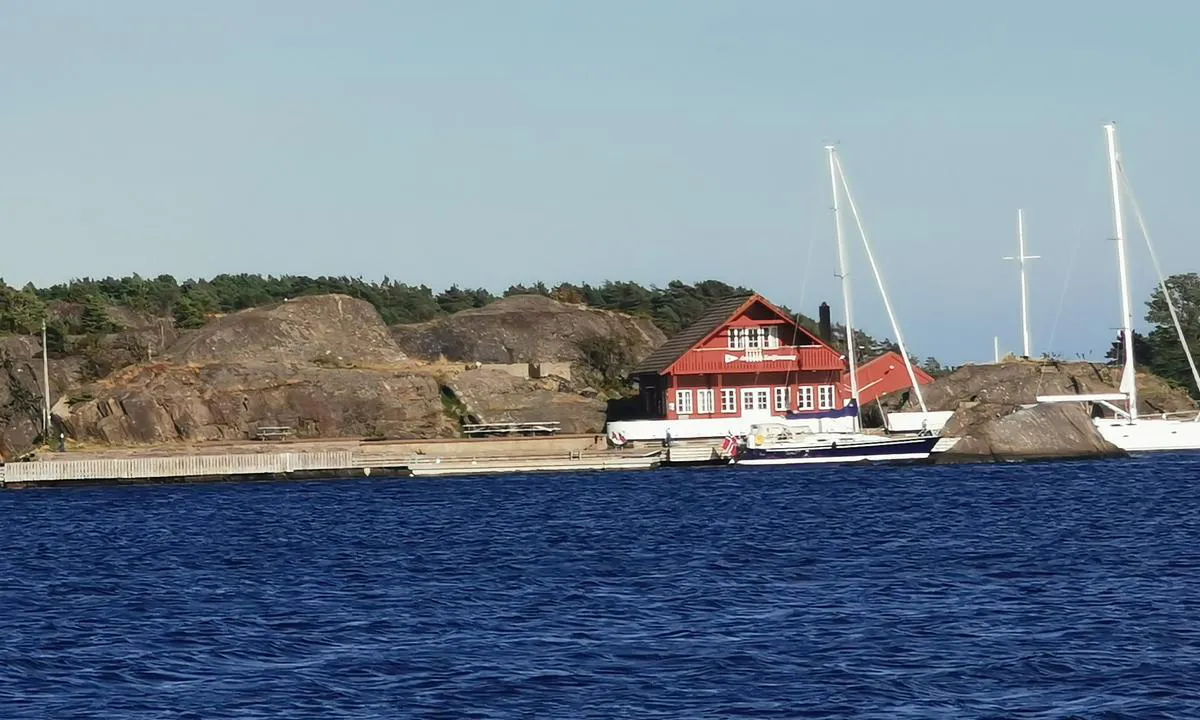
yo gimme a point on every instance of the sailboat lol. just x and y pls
(778, 444)
(1127, 429)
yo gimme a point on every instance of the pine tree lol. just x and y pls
(95, 319)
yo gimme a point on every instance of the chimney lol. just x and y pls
(824, 327)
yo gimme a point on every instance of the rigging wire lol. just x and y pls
(862, 232)
(1062, 298)
(804, 276)
(1162, 283)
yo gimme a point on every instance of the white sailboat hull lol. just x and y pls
(1150, 434)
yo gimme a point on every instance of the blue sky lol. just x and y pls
(490, 143)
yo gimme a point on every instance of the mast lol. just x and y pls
(1021, 257)
(887, 305)
(1128, 376)
(1162, 282)
(844, 276)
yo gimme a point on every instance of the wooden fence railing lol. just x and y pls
(511, 428)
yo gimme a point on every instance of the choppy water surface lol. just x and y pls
(1038, 591)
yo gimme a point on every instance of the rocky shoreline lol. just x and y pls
(328, 367)
(997, 417)
(323, 366)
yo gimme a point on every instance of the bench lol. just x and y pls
(510, 428)
(273, 433)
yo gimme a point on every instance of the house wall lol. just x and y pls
(791, 350)
(682, 392)
(789, 363)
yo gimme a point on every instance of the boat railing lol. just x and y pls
(511, 428)
(1193, 415)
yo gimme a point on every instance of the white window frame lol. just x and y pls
(826, 397)
(772, 337)
(754, 338)
(683, 402)
(804, 398)
(729, 400)
(762, 399)
(783, 395)
(704, 401)
(737, 338)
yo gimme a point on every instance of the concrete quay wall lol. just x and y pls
(350, 459)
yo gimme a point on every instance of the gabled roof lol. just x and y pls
(713, 319)
(674, 348)
(892, 357)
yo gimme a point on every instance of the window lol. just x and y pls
(782, 395)
(728, 400)
(683, 402)
(704, 402)
(754, 338)
(825, 397)
(804, 397)
(763, 396)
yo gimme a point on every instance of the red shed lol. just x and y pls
(744, 358)
(882, 375)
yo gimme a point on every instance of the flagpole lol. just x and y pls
(45, 386)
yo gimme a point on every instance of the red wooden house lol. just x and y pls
(743, 359)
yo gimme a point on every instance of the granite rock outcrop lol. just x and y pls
(165, 403)
(324, 366)
(490, 396)
(997, 416)
(21, 390)
(525, 328)
(323, 329)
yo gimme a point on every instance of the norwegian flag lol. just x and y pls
(729, 446)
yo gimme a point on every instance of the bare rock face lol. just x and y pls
(997, 432)
(1020, 382)
(495, 396)
(524, 328)
(324, 366)
(996, 415)
(21, 390)
(335, 330)
(227, 401)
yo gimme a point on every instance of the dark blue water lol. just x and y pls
(1032, 591)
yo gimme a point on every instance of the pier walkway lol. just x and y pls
(353, 459)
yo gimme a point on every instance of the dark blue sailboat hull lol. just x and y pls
(889, 450)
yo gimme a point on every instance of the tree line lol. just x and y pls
(1159, 350)
(191, 303)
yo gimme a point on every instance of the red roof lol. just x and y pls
(713, 321)
(883, 375)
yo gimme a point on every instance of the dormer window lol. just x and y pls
(754, 338)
